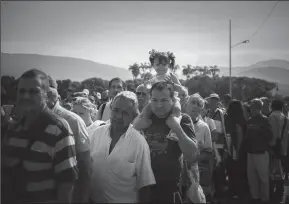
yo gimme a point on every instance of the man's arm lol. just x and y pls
(65, 164)
(145, 176)
(81, 191)
(186, 135)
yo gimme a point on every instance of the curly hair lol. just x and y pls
(168, 57)
(84, 102)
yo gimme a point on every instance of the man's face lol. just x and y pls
(30, 94)
(115, 88)
(183, 95)
(82, 112)
(192, 108)
(122, 113)
(255, 111)
(161, 102)
(142, 96)
(213, 103)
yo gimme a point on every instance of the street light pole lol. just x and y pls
(230, 59)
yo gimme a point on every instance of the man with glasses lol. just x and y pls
(142, 96)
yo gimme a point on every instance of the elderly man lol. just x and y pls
(258, 136)
(38, 155)
(120, 155)
(193, 108)
(169, 137)
(221, 144)
(115, 85)
(143, 96)
(82, 145)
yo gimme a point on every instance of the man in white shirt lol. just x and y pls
(121, 164)
(116, 85)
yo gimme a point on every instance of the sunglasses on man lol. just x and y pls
(141, 94)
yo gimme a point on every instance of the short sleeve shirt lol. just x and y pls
(118, 176)
(166, 153)
(77, 126)
(38, 158)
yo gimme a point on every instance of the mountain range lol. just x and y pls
(60, 67)
(275, 70)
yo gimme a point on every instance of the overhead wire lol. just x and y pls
(264, 21)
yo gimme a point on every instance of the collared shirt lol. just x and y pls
(36, 160)
(77, 126)
(276, 120)
(117, 177)
(93, 126)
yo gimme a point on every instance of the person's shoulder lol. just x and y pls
(202, 123)
(54, 124)
(186, 118)
(70, 116)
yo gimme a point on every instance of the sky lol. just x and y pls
(122, 33)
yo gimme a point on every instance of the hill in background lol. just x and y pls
(274, 70)
(59, 67)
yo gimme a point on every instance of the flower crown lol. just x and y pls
(168, 54)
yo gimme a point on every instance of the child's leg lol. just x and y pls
(143, 120)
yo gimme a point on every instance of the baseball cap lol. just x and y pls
(214, 95)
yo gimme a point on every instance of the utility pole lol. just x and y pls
(230, 59)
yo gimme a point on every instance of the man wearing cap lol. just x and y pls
(258, 137)
(220, 143)
(82, 144)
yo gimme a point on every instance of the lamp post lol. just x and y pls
(230, 55)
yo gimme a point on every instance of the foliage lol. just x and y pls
(204, 80)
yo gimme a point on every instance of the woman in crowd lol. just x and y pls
(193, 108)
(84, 108)
(236, 128)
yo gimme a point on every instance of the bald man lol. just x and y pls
(142, 95)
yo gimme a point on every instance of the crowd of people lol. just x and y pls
(159, 144)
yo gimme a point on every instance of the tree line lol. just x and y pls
(202, 79)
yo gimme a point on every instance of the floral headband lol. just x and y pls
(168, 54)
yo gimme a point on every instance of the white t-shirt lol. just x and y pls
(117, 177)
(203, 135)
(210, 122)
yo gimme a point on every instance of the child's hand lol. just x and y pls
(173, 79)
(176, 110)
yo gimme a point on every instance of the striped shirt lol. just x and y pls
(36, 160)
